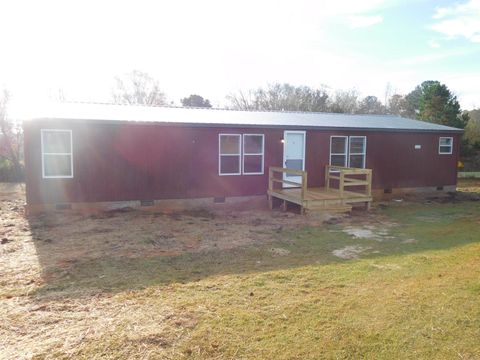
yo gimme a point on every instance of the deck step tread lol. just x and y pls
(342, 209)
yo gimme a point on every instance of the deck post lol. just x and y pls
(270, 179)
(369, 185)
(304, 185)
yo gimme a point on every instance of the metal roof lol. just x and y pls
(230, 118)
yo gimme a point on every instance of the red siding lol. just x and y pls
(126, 161)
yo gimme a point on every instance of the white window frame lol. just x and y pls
(346, 157)
(364, 153)
(239, 155)
(42, 131)
(257, 154)
(440, 146)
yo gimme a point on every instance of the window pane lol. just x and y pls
(252, 164)
(338, 160)
(229, 164)
(356, 161)
(253, 144)
(338, 145)
(57, 165)
(357, 145)
(230, 144)
(56, 141)
(445, 141)
(445, 149)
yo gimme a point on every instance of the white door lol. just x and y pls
(293, 154)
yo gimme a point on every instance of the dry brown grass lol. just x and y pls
(38, 251)
(255, 285)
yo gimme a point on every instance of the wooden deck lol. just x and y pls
(333, 197)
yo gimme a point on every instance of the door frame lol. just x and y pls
(285, 132)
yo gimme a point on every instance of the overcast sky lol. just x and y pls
(214, 47)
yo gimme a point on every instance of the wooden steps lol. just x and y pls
(339, 209)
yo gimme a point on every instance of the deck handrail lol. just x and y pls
(272, 179)
(344, 180)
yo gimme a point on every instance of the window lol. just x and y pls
(348, 151)
(253, 151)
(241, 154)
(357, 152)
(229, 154)
(57, 159)
(445, 145)
(338, 150)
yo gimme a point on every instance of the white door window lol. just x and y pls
(294, 154)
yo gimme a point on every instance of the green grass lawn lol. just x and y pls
(414, 294)
(469, 174)
(412, 290)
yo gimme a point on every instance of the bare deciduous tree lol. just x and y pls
(388, 94)
(284, 97)
(10, 142)
(242, 100)
(138, 88)
(370, 105)
(344, 101)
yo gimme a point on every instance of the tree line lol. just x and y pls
(429, 101)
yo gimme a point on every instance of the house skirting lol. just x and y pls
(238, 203)
(386, 194)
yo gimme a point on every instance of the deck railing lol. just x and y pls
(347, 177)
(273, 179)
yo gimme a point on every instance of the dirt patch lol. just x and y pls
(360, 233)
(371, 232)
(59, 240)
(350, 252)
(279, 251)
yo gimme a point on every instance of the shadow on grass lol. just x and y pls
(417, 228)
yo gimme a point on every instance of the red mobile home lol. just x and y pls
(110, 155)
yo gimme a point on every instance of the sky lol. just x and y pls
(216, 47)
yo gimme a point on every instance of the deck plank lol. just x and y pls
(317, 198)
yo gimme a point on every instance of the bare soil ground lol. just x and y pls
(132, 284)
